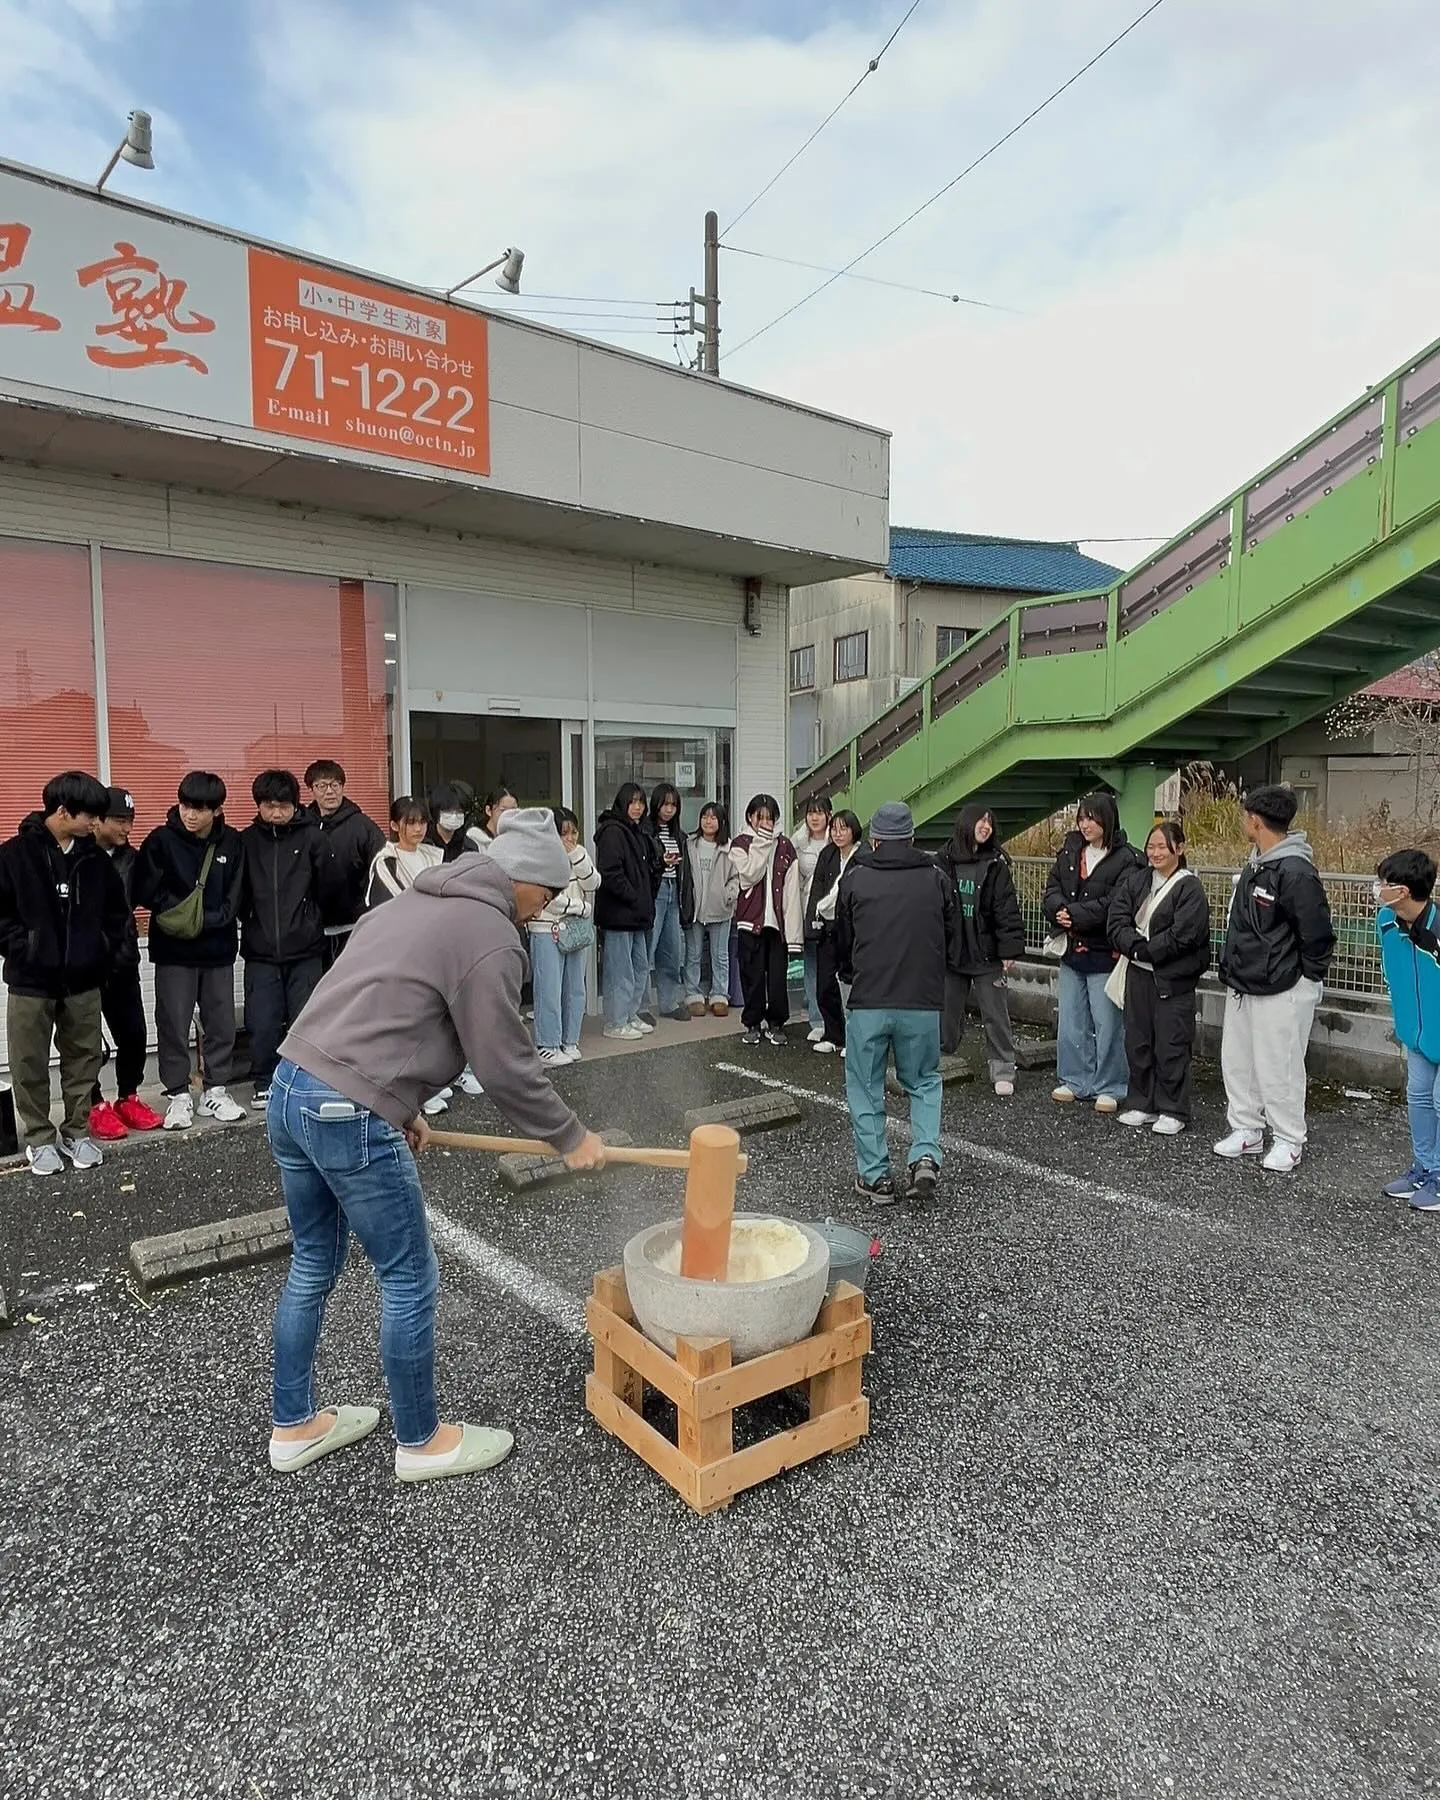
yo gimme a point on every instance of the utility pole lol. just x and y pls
(710, 299)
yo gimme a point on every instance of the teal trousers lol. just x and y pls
(870, 1035)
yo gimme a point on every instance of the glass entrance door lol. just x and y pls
(697, 761)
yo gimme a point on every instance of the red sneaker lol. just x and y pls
(105, 1122)
(133, 1112)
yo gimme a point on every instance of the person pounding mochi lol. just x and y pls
(427, 983)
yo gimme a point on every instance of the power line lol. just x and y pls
(590, 299)
(659, 319)
(905, 287)
(969, 169)
(868, 71)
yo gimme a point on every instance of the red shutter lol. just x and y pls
(47, 671)
(211, 666)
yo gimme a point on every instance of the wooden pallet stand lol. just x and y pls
(703, 1466)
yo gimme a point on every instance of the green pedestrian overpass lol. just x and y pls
(1317, 578)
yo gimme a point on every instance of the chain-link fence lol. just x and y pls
(1356, 965)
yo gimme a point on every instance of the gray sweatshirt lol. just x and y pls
(427, 983)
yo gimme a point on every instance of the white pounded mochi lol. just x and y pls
(760, 1249)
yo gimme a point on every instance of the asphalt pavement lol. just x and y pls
(1149, 1507)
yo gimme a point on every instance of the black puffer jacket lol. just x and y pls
(989, 927)
(349, 842)
(894, 929)
(1088, 900)
(167, 870)
(827, 873)
(1178, 946)
(62, 916)
(1279, 927)
(684, 874)
(629, 875)
(280, 906)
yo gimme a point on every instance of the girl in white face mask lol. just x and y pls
(448, 815)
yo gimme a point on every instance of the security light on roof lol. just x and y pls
(510, 262)
(135, 147)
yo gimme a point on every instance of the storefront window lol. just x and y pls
(47, 671)
(696, 762)
(212, 666)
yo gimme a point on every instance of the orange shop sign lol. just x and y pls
(339, 360)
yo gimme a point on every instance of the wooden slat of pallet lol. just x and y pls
(634, 1348)
(839, 1385)
(836, 1430)
(647, 1443)
(703, 1440)
(796, 1363)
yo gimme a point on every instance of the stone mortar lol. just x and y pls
(756, 1316)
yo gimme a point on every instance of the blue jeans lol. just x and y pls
(719, 936)
(870, 1034)
(1090, 1047)
(812, 989)
(667, 947)
(351, 1172)
(1422, 1097)
(627, 970)
(559, 983)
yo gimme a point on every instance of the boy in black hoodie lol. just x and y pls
(121, 1004)
(281, 935)
(194, 852)
(350, 840)
(62, 923)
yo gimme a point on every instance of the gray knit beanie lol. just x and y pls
(892, 823)
(527, 847)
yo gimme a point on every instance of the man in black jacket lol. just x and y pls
(894, 923)
(350, 840)
(62, 923)
(281, 935)
(194, 851)
(121, 1004)
(1278, 945)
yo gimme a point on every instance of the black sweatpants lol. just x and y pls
(764, 965)
(827, 989)
(123, 1011)
(275, 993)
(1159, 1046)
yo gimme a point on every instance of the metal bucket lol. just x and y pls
(851, 1251)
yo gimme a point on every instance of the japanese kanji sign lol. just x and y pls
(157, 316)
(343, 361)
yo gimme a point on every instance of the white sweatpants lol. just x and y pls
(1262, 1057)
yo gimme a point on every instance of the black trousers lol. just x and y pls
(274, 996)
(123, 1011)
(827, 989)
(764, 963)
(1159, 1046)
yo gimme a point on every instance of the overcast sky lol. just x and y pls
(1217, 238)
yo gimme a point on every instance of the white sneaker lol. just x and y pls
(260, 1099)
(1137, 1118)
(1004, 1089)
(823, 1046)
(816, 1033)
(44, 1159)
(640, 1028)
(1239, 1144)
(573, 1053)
(1063, 1094)
(627, 1033)
(436, 1104)
(551, 1057)
(1283, 1158)
(467, 1083)
(180, 1113)
(1167, 1125)
(215, 1103)
(84, 1152)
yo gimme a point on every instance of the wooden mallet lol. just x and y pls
(634, 1154)
(715, 1162)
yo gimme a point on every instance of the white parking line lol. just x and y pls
(503, 1271)
(1002, 1159)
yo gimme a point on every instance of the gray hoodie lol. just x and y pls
(426, 984)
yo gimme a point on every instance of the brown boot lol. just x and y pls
(720, 1008)
(697, 1009)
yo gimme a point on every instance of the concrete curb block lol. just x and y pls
(755, 1112)
(1035, 1053)
(952, 1069)
(522, 1172)
(208, 1249)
